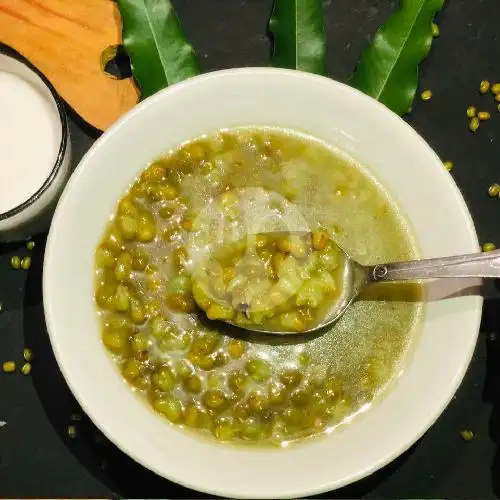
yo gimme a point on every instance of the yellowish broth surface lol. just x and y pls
(219, 380)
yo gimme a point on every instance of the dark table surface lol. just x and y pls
(36, 457)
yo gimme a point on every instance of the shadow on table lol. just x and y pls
(491, 326)
(126, 478)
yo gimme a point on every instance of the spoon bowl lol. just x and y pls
(352, 275)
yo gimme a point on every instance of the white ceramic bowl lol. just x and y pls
(365, 129)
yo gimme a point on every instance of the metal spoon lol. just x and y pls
(355, 277)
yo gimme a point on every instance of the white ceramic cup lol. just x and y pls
(397, 156)
(34, 214)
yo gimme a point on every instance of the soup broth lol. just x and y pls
(222, 381)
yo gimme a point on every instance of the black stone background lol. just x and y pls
(36, 459)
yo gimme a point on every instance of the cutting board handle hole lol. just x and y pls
(115, 62)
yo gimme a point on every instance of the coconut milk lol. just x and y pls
(30, 137)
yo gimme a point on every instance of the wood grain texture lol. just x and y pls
(64, 40)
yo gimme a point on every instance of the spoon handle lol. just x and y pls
(478, 265)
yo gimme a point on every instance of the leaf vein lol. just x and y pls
(396, 59)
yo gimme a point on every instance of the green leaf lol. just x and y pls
(388, 69)
(299, 35)
(158, 51)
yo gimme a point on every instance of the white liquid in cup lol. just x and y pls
(30, 138)
(35, 150)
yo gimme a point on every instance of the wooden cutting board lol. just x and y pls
(65, 40)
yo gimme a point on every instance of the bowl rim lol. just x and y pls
(12, 212)
(476, 308)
